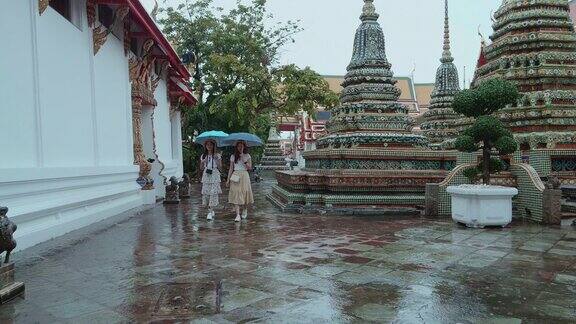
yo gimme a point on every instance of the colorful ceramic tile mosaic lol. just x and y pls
(440, 120)
(370, 157)
(533, 45)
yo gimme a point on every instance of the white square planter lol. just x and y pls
(480, 206)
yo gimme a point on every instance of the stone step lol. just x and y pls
(9, 289)
(568, 219)
(273, 167)
(349, 204)
(569, 207)
(274, 160)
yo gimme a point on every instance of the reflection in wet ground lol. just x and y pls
(168, 263)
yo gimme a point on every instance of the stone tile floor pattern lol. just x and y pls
(168, 264)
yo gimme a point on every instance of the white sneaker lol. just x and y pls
(245, 214)
(210, 215)
(237, 219)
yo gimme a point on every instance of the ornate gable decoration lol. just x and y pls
(100, 33)
(143, 84)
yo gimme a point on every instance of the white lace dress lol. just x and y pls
(211, 189)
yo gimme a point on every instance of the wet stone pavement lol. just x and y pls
(168, 264)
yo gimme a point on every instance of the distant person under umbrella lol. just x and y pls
(211, 163)
(239, 180)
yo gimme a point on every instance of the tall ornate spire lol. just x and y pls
(369, 11)
(439, 120)
(370, 114)
(446, 55)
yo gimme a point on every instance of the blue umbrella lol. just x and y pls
(216, 136)
(251, 140)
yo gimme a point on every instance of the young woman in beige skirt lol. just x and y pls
(239, 180)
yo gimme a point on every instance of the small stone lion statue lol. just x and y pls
(553, 183)
(7, 229)
(172, 192)
(184, 187)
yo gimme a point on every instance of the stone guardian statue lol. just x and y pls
(184, 187)
(7, 229)
(172, 192)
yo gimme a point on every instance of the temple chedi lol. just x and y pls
(370, 158)
(370, 114)
(534, 45)
(440, 120)
(273, 158)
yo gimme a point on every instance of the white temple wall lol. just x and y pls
(163, 132)
(65, 91)
(19, 138)
(65, 125)
(113, 104)
(177, 154)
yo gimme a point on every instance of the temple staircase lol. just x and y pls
(273, 159)
(569, 204)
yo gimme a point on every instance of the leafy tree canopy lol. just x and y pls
(488, 98)
(236, 65)
(237, 75)
(487, 133)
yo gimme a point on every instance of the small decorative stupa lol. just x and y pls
(273, 159)
(370, 160)
(534, 46)
(440, 120)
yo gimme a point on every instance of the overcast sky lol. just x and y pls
(413, 31)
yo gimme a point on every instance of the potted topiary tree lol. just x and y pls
(484, 205)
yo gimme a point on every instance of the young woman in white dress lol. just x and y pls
(211, 164)
(240, 194)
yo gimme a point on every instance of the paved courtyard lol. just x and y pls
(168, 264)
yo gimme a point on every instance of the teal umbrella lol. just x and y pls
(216, 136)
(251, 140)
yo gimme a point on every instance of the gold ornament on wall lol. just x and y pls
(99, 35)
(42, 5)
(120, 14)
(91, 12)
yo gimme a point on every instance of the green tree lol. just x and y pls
(236, 71)
(488, 132)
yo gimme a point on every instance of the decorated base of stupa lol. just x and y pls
(362, 181)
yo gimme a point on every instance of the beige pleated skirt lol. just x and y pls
(241, 191)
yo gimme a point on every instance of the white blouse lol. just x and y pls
(240, 166)
(211, 162)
